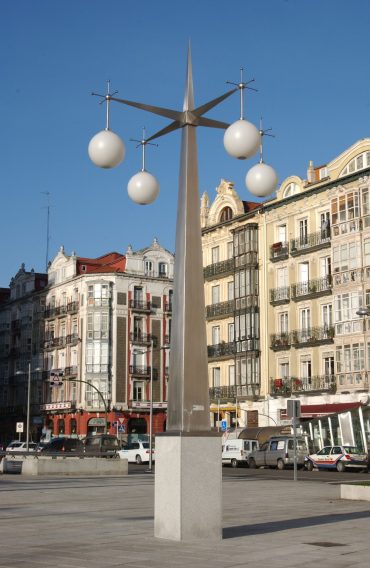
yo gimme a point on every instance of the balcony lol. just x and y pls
(223, 268)
(60, 311)
(311, 289)
(70, 371)
(348, 277)
(279, 341)
(72, 307)
(142, 371)
(49, 312)
(280, 295)
(55, 342)
(288, 385)
(72, 339)
(221, 350)
(312, 336)
(249, 259)
(310, 243)
(279, 251)
(141, 338)
(233, 392)
(220, 310)
(140, 306)
(168, 308)
(355, 381)
(167, 340)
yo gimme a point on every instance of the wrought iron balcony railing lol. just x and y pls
(311, 288)
(310, 243)
(222, 309)
(280, 295)
(221, 350)
(141, 338)
(143, 371)
(140, 305)
(70, 371)
(280, 341)
(285, 386)
(233, 392)
(218, 268)
(279, 251)
(312, 336)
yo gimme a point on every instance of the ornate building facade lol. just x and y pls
(297, 297)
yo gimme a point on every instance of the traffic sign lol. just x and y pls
(19, 427)
(122, 429)
(223, 425)
(121, 420)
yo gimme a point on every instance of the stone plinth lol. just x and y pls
(188, 476)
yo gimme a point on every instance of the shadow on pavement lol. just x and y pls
(275, 526)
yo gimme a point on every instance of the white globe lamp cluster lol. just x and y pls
(241, 140)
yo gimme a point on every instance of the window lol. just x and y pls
(327, 315)
(97, 357)
(291, 189)
(148, 267)
(328, 364)
(283, 322)
(350, 357)
(215, 254)
(305, 319)
(230, 290)
(138, 390)
(303, 231)
(215, 335)
(281, 234)
(283, 369)
(303, 272)
(163, 269)
(98, 294)
(216, 375)
(215, 294)
(230, 249)
(346, 256)
(358, 163)
(231, 332)
(226, 214)
(306, 368)
(231, 373)
(97, 325)
(325, 224)
(325, 266)
(282, 277)
(345, 207)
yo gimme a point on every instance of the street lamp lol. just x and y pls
(188, 423)
(28, 401)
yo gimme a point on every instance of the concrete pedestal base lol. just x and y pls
(188, 475)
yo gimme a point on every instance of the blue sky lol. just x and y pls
(309, 59)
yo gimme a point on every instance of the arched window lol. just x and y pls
(291, 189)
(360, 162)
(226, 214)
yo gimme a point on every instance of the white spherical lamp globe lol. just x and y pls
(106, 149)
(143, 188)
(242, 139)
(261, 180)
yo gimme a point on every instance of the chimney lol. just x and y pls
(311, 173)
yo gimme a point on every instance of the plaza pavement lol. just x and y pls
(95, 522)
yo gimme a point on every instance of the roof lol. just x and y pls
(111, 262)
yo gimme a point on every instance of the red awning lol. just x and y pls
(317, 410)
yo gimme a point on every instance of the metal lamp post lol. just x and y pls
(28, 401)
(188, 424)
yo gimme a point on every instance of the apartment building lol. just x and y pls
(313, 281)
(21, 330)
(107, 333)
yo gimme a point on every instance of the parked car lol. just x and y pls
(136, 452)
(236, 452)
(104, 445)
(278, 452)
(63, 445)
(17, 446)
(337, 457)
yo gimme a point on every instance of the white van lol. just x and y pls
(236, 452)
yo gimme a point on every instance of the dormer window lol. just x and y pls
(148, 266)
(291, 189)
(358, 163)
(226, 214)
(163, 269)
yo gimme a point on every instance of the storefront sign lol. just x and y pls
(56, 406)
(97, 422)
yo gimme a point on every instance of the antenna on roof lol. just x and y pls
(47, 193)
